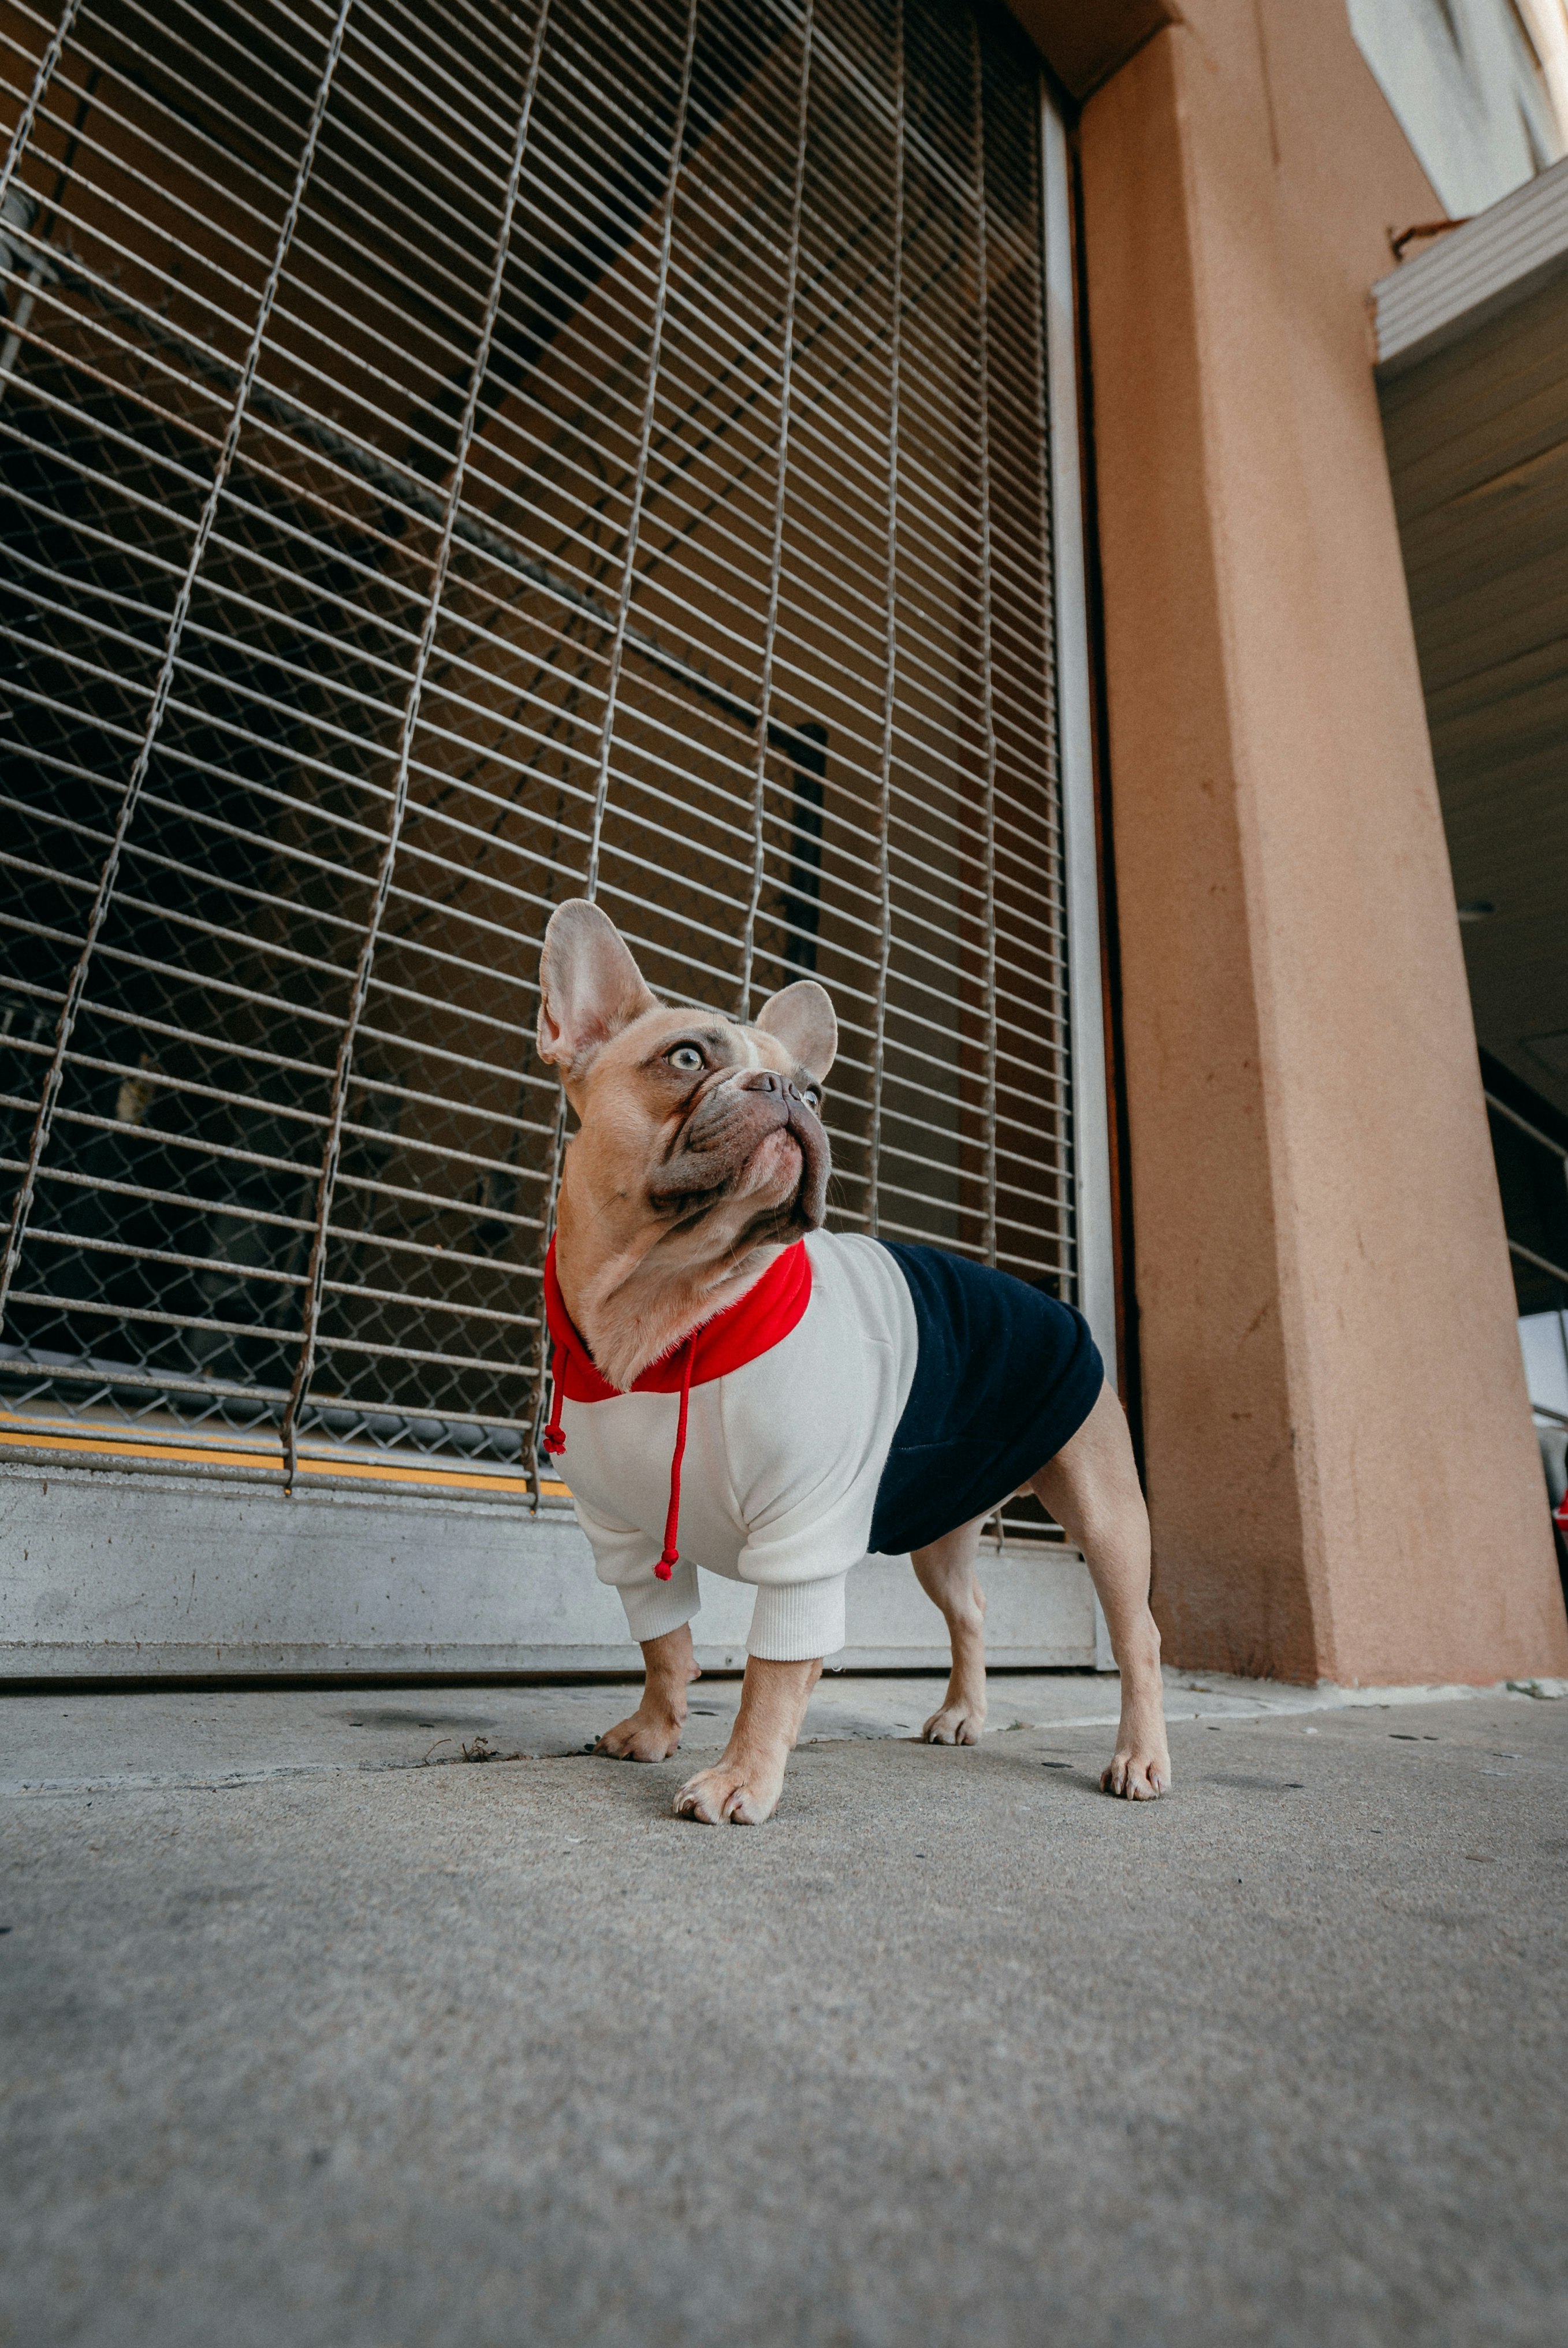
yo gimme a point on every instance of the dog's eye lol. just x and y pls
(811, 1097)
(686, 1057)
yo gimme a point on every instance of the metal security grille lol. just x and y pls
(455, 458)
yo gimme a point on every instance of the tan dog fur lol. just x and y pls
(700, 1156)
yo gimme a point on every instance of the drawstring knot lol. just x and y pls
(555, 1434)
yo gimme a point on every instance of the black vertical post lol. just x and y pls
(807, 749)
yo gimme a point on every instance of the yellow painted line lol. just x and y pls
(211, 1456)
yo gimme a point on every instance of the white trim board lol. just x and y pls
(1096, 1256)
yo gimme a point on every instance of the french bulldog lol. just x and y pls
(735, 1387)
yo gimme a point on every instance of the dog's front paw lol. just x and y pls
(646, 1737)
(730, 1794)
(1136, 1774)
(961, 1721)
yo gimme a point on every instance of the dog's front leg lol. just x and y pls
(653, 1731)
(744, 1787)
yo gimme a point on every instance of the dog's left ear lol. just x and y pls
(589, 987)
(804, 1020)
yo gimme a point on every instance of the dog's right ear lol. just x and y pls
(589, 987)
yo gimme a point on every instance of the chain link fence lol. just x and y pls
(453, 459)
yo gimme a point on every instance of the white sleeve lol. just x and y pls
(793, 1623)
(627, 1558)
(799, 1558)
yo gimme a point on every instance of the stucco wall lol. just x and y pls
(1342, 1473)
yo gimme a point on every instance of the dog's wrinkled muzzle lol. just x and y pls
(725, 1130)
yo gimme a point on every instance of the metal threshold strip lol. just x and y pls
(35, 1441)
(68, 1440)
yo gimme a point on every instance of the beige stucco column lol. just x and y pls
(1341, 1469)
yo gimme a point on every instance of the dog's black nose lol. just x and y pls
(761, 1080)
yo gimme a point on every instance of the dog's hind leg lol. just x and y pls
(946, 1573)
(1091, 1489)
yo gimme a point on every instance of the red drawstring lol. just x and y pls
(672, 1556)
(555, 1434)
(555, 1442)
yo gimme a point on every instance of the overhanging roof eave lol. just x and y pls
(1472, 274)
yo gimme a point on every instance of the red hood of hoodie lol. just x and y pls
(753, 1324)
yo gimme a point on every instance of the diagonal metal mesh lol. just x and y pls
(447, 457)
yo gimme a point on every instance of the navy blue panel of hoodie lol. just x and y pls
(1004, 1376)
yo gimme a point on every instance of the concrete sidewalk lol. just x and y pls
(308, 2040)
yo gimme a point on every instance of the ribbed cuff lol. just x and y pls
(653, 1607)
(794, 1622)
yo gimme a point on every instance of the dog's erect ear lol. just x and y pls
(804, 1021)
(589, 987)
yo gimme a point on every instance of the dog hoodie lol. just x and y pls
(863, 1396)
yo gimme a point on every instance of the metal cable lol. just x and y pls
(890, 685)
(47, 65)
(331, 1153)
(640, 476)
(775, 557)
(166, 674)
(618, 645)
(987, 709)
